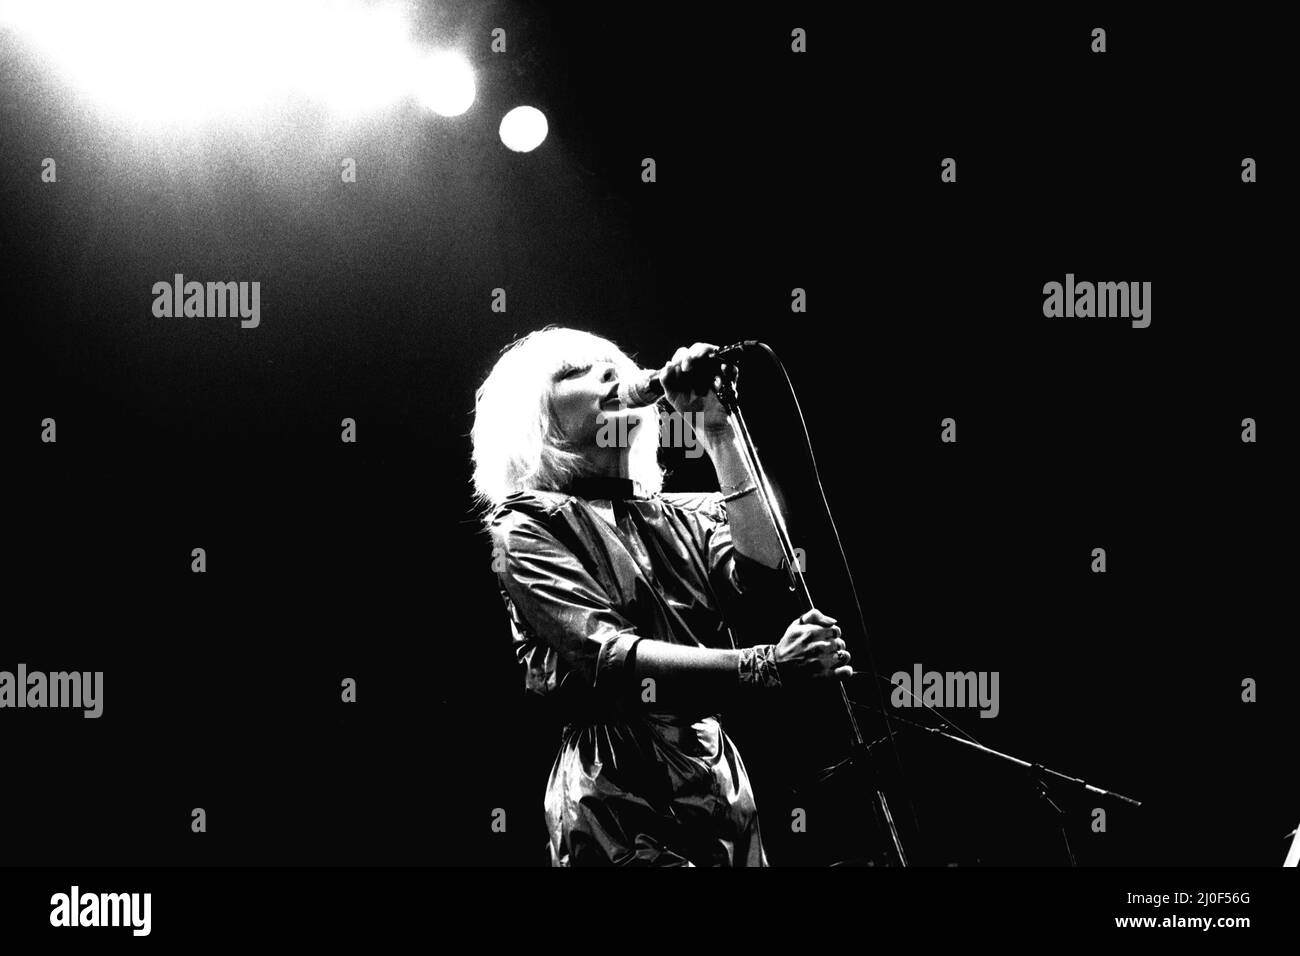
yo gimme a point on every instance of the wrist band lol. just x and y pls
(739, 494)
(757, 666)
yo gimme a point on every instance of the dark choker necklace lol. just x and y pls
(599, 486)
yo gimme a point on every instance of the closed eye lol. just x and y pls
(574, 371)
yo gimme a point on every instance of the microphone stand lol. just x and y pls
(1038, 776)
(859, 762)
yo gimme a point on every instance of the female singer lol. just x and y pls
(617, 594)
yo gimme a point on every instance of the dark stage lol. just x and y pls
(775, 172)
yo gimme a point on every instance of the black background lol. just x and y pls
(775, 171)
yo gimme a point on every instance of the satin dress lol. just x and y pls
(635, 782)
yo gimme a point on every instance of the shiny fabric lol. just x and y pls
(633, 783)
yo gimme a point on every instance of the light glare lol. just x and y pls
(186, 62)
(447, 83)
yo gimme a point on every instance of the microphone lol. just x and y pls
(646, 388)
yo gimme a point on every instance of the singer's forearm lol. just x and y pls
(687, 676)
(679, 662)
(752, 533)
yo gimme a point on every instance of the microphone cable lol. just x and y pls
(844, 560)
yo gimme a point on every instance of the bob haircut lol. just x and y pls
(516, 438)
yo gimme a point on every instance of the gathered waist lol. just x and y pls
(700, 741)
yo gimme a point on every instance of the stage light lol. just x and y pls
(523, 129)
(446, 83)
(354, 59)
(185, 63)
(146, 61)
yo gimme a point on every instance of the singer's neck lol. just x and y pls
(608, 462)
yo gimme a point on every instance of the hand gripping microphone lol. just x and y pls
(647, 388)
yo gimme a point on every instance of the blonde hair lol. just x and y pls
(517, 442)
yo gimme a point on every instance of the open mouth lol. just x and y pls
(611, 397)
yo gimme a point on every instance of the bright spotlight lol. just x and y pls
(523, 129)
(185, 63)
(352, 58)
(446, 83)
(148, 62)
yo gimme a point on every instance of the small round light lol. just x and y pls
(523, 129)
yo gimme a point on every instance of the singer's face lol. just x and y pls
(584, 396)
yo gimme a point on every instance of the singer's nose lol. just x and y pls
(609, 375)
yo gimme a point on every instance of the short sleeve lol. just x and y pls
(562, 604)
